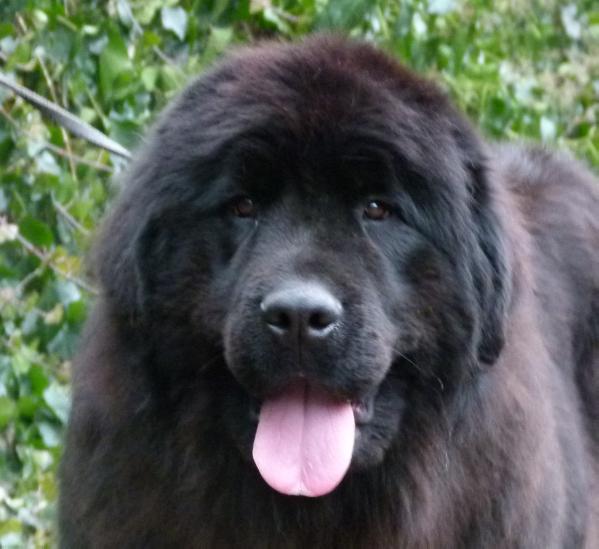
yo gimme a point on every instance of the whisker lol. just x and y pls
(210, 362)
(405, 357)
(421, 369)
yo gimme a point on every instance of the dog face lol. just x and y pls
(312, 226)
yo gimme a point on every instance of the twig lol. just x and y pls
(138, 31)
(66, 22)
(287, 16)
(163, 56)
(46, 260)
(74, 157)
(21, 24)
(65, 135)
(58, 150)
(97, 107)
(9, 117)
(65, 119)
(20, 287)
(70, 219)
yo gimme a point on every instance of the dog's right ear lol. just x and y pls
(118, 253)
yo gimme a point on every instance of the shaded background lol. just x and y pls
(521, 69)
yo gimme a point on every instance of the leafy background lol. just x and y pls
(520, 68)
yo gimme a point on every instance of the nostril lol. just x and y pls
(277, 317)
(321, 319)
(301, 309)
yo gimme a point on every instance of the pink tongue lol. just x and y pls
(304, 441)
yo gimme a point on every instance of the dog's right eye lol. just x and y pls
(376, 210)
(243, 207)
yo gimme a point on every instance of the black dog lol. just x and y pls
(318, 281)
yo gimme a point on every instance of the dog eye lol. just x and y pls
(243, 207)
(376, 210)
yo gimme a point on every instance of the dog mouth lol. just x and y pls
(305, 437)
(363, 409)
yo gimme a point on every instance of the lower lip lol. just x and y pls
(362, 412)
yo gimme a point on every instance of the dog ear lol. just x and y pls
(116, 261)
(492, 269)
(124, 239)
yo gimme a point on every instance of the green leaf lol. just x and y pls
(46, 163)
(6, 29)
(170, 78)
(571, 22)
(67, 292)
(38, 379)
(27, 406)
(218, 40)
(7, 410)
(126, 132)
(8, 231)
(58, 399)
(36, 231)
(6, 146)
(50, 434)
(145, 11)
(23, 359)
(547, 129)
(342, 14)
(149, 75)
(63, 344)
(3, 206)
(441, 7)
(114, 61)
(76, 311)
(175, 20)
(22, 53)
(273, 16)
(7, 527)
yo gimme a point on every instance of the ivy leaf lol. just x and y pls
(7, 410)
(57, 398)
(36, 231)
(50, 434)
(175, 20)
(114, 61)
(8, 231)
(571, 24)
(441, 7)
(548, 129)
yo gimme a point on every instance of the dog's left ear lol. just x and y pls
(490, 261)
(493, 269)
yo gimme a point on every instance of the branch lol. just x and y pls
(65, 119)
(46, 260)
(65, 135)
(58, 150)
(69, 218)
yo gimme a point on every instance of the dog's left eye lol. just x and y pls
(243, 207)
(376, 210)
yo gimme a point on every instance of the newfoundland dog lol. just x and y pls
(333, 317)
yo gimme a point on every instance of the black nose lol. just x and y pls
(303, 309)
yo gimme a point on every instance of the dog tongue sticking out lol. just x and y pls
(304, 441)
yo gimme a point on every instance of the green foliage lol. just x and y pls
(520, 69)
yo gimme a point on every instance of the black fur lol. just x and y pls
(469, 321)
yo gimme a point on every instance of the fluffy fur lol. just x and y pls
(470, 323)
